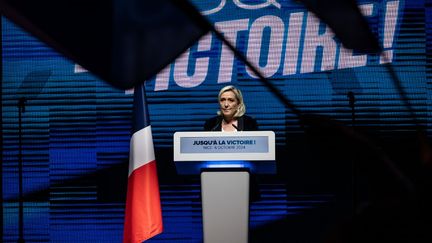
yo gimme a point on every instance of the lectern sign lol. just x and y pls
(198, 146)
(245, 144)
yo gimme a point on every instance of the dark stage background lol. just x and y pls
(76, 128)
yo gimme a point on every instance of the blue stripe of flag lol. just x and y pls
(141, 114)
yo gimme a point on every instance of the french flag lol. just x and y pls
(143, 216)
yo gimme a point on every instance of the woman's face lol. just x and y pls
(228, 104)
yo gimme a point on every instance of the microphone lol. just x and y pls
(235, 127)
(352, 100)
(21, 104)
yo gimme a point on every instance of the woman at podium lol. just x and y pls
(231, 114)
(231, 118)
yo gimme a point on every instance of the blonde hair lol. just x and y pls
(241, 109)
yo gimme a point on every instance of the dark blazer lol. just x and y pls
(244, 123)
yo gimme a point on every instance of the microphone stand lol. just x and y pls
(351, 100)
(21, 109)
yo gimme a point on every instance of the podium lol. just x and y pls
(224, 161)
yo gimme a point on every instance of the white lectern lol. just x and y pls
(224, 161)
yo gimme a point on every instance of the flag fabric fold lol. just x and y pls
(143, 215)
